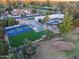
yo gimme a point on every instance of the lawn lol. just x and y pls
(17, 40)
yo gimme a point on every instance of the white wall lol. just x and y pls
(50, 16)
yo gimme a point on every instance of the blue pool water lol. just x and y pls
(17, 30)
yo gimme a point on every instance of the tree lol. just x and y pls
(1, 32)
(5, 23)
(11, 22)
(9, 8)
(70, 7)
(8, 22)
(27, 5)
(34, 11)
(1, 23)
(41, 21)
(1, 9)
(16, 5)
(3, 48)
(46, 18)
(67, 24)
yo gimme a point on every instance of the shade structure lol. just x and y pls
(55, 22)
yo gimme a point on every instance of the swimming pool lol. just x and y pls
(17, 34)
(17, 30)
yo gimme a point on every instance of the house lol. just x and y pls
(53, 16)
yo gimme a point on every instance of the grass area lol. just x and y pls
(17, 40)
(74, 52)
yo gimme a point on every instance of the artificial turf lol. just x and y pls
(16, 41)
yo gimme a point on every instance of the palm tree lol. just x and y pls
(46, 18)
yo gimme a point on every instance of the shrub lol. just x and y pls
(67, 25)
(1, 32)
(3, 48)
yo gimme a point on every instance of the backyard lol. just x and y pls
(47, 50)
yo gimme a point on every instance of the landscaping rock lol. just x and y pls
(62, 45)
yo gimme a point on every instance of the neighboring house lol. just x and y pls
(19, 12)
(15, 13)
(28, 11)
